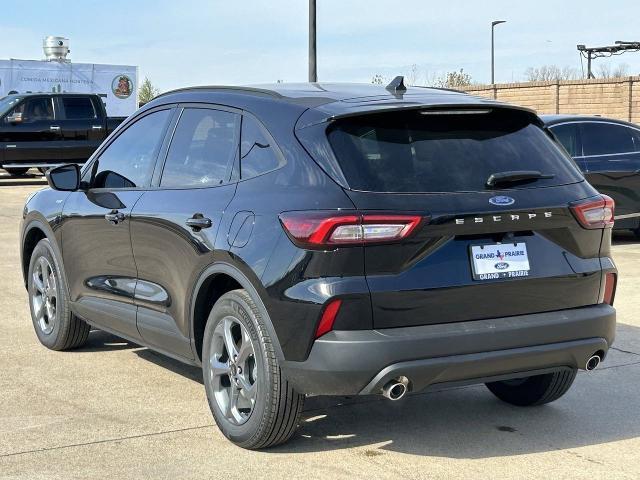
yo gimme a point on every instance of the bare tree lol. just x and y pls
(453, 79)
(605, 70)
(147, 91)
(412, 77)
(548, 73)
(378, 79)
(622, 70)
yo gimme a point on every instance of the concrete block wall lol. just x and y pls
(612, 97)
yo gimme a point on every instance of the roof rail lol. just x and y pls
(252, 90)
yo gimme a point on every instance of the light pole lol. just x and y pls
(313, 69)
(493, 73)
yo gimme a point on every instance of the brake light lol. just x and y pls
(610, 280)
(331, 229)
(328, 317)
(596, 212)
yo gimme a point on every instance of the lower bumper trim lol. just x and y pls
(351, 362)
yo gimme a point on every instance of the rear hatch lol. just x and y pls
(485, 248)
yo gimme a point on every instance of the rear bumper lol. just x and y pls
(362, 361)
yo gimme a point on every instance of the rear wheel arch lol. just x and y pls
(216, 280)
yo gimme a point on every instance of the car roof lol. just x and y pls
(551, 120)
(328, 101)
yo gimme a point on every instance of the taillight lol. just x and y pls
(610, 280)
(328, 317)
(596, 212)
(331, 229)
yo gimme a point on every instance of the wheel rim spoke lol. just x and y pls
(219, 368)
(245, 348)
(37, 282)
(247, 390)
(233, 405)
(229, 342)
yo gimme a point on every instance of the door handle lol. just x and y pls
(96, 127)
(198, 222)
(55, 128)
(115, 217)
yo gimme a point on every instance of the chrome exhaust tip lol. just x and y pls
(396, 389)
(592, 363)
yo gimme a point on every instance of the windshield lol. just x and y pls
(7, 103)
(447, 151)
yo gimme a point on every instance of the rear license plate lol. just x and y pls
(502, 260)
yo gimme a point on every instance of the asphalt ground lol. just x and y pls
(116, 410)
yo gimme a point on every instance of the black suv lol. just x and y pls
(331, 240)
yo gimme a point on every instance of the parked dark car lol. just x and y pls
(608, 153)
(43, 130)
(329, 239)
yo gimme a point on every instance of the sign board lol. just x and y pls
(116, 84)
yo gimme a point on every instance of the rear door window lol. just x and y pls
(421, 151)
(78, 108)
(599, 138)
(203, 148)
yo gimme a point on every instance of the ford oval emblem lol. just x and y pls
(501, 201)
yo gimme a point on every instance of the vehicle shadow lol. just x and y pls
(26, 180)
(621, 237)
(101, 341)
(187, 371)
(463, 422)
(469, 422)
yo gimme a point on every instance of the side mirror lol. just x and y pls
(14, 118)
(65, 178)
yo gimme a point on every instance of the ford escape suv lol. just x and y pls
(328, 239)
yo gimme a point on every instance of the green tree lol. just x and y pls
(147, 91)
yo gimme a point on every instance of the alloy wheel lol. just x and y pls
(233, 371)
(44, 295)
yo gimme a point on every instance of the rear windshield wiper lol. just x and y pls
(516, 176)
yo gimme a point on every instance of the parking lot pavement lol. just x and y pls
(115, 410)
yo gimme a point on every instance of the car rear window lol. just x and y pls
(445, 151)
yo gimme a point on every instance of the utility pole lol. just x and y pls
(493, 73)
(313, 68)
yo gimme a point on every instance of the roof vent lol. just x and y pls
(397, 85)
(56, 49)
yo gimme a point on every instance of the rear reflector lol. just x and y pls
(331, 229)
(328, 317)
(595, 212)
(610, 280)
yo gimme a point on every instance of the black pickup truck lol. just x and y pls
(43, 130)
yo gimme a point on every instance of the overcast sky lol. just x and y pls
(187, 42)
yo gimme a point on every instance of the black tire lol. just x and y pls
(536, 390)
(63, 330)
(16, 172)
(275, 414)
